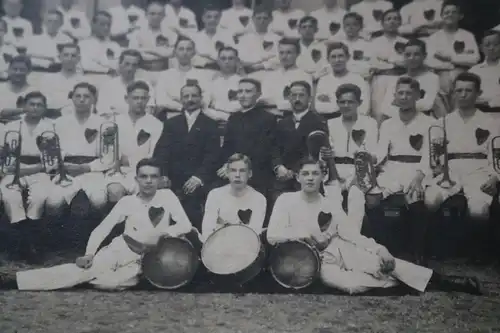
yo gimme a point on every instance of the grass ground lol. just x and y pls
(88, 311)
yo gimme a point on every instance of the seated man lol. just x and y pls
(180, 17)
(139, 132)
(285, 19)
(350, 262)
(75, 21)
(330, 18)
(350, 133)
(421, 18)
(372, 12)
(489, 72)
(403, 156)
(313, 57)
(117, 266)
(235, 203)
(126, 18)
(236, 18)
(18, 27)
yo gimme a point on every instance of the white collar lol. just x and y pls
(193, 115)
(298, 116)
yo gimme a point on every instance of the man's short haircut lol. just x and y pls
(211, 7)
(454, 3)
(308, 160)
(184, 39)
(348, 88)
(290, 41)
(263, 9)
(101, 13)
(240, 157)
(22, 59)
(137, 85)
(417, 42)
(130, 53)
(414, 84)
(85, 85)
(229, 48)
(469, 77)
(389, 11)
(151, 162)
(302, 84)
(337, 46)
(309, 18)
(56, 12)
(34, 94)
(190, 85)
(355, 16)
(256, 83)
(69, 45)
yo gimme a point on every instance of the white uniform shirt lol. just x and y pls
(420, 12)
(286, 23)
(400, 139)
(461, 46)
(7, 52)
(138, 140)
(18, 29)
(429, 86)
(263, 48)
(45, 46)
(125, 18)
(99, 56)
(145, 37)
(387, 50)
(490, 82)
(138, 226)
(223, 92)
(171, 81)
(29, 134)
(236, 20)
(112, 94)
(56, 88)
(371, 11)
(345, 141)
(79, 139)
(209, 45)
(9, 97)
(184, 20)
(76, 22)
(249, 209)
(329, 22)
(312, 58)
(326, 101)
(275, 82)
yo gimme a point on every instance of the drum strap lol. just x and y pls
(133, 245)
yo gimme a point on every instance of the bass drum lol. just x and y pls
(234, 254)
(294, 264)
(172, 264)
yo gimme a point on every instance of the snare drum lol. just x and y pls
(172, 264)
(294, 264)
(234, 253)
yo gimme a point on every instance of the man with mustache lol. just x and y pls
(189, 150)
(350, 262)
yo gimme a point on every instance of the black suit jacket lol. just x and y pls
(291, 141)
(186, 153)
(253, 133)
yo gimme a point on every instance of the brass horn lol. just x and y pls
(495, 153)
(109, 146)
(315, 141)
(438, 146)
(11, 157)
(49, 145)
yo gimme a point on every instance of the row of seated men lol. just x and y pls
(171, 55)
(98, 169)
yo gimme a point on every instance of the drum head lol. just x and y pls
(171, 265)
(230, 249)
(294, 264)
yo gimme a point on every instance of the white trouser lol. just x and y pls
(114, 267)
(126, 179)
(93, 184)
(352, 269)
(42, 192)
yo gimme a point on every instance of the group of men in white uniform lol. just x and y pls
(132, 67)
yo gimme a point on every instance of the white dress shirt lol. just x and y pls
(191, 118)
(371, 11)
(236, 20)
(286, 23)
(326, 101)
(121, 19)
(329, 22)
(184, 19)
(76, 22)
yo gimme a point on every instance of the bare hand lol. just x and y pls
(282, 173)
(191, 185)
(85, 262)
(387, 261)
(416, 188)
(222, 172)
(490, 186)
(321, 241)
(443, 57)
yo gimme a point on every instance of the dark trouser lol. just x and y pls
(193, 204)
(418, 225)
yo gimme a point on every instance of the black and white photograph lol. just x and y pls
(249, 166)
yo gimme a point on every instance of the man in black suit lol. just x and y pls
(251, 132)
(189, 152)
(292, 133)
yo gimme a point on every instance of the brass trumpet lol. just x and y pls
(438, 146)
(49, 145)
(11, 157)
(495, 153)
(316, 140)
(109, 145)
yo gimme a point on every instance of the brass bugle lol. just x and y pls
(11, 156)
(49, 145)
(438, 146)
(109, 145)
(495, 153)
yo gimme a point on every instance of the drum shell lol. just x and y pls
(274, 257)
(151, 258)
(248, 273)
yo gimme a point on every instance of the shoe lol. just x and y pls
(470, 285)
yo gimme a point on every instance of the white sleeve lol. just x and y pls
(324, 90)
(279, 228)
(183, 225)
(209, 223)
(258, 213)
(431, 89)
(470, 56)
(365, 106)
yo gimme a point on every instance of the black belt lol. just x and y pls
(30, 160)
(467, 156)
(344, 160)
(405, 158)
(53, 68)
(133, 245)
(488, 109)
(76, 159)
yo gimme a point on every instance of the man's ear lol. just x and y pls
(250, 174)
